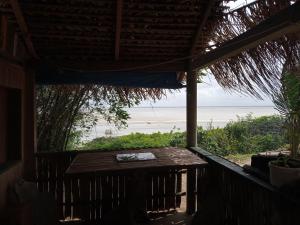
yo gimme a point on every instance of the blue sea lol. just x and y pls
(165, 119)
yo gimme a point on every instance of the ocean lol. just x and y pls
(165, 119)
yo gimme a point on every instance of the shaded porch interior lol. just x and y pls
(124, 36)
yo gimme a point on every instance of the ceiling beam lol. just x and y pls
(118, 28)
(123, 66)
(201, 25)
(284, 22)
(23, 27)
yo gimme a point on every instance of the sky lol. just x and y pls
(210, 93)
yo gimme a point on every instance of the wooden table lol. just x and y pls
(105, 163)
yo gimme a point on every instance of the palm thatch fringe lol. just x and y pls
(124, 94)
(258, 69)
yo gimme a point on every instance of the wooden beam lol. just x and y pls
(9, 59)
(285, 22)
(4, 32)
(201, 25)
(123, 66)
(23, 27)
(118, 28)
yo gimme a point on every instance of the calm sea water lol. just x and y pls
(149, 120)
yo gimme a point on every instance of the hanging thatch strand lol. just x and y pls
(258, 68)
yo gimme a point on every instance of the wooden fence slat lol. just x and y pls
(39, 172)
(155, 192)
(190, 196)
(179, 187)
(115, 189)
(59, 187)
(100, 194)
(168, 191)
(77, 207)
(106, 194)
(121, 191)
(149, 192)
(85, 198)
(98, 198)
(161, 191)
(67, 191)
(52, 176)
(173, 189)
(93, 198)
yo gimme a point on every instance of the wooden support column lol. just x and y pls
(29, 135)
(191, 131)
(191, 108)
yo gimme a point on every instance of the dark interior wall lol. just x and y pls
(17, 135)
(3, 125)
(10, 125)
(12, 83)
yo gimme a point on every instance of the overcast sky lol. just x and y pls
(209, 94)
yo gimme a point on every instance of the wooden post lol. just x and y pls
(191, 108)
(191, 131)
(29, 130)
(190, 191)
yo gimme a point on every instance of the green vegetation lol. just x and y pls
(63, 109)
(245, 136)
(287, 102)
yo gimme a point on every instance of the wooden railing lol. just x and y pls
(230, 196)
(90, 197)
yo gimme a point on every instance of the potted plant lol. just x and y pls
(286, 169)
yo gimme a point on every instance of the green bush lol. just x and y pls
(247, 135)
(134, 140)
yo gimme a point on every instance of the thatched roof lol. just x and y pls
(154, 35)
(83, 34)
(259, 67)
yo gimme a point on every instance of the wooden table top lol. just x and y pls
(105, 162)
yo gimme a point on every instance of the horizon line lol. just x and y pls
(204, 106)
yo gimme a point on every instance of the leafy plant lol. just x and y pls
(63, 110)
(287, 102)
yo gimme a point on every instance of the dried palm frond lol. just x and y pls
(257, 69)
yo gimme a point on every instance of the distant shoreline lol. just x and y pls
(206, 106)
(164, 119)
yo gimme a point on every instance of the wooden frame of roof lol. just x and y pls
(143, 33)
(165, 41)
(23, 27)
